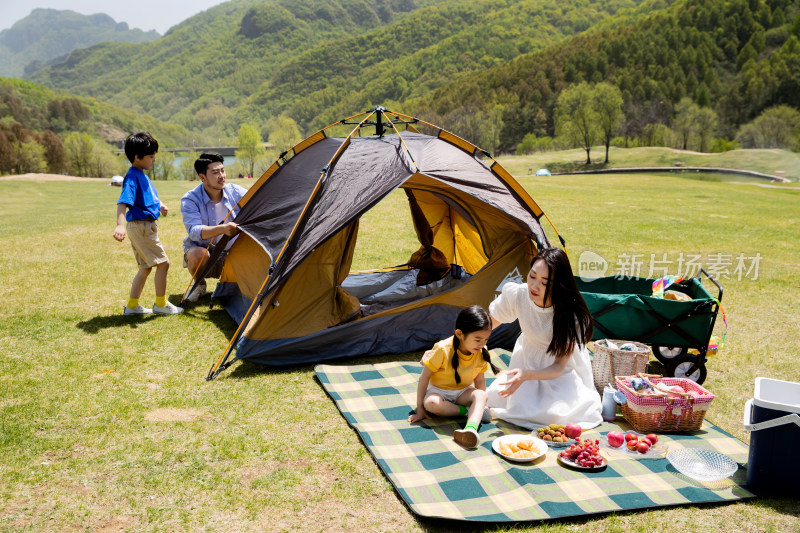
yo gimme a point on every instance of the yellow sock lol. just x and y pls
(132, 303)
(161, 301)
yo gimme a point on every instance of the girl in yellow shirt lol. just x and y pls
(452, 381)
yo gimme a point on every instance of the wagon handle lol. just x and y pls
(715, 282)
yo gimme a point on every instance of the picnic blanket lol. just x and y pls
(437, 478)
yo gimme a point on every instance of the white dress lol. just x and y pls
(571, 397)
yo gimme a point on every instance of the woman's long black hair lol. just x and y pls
(469, 320)
(572, 322)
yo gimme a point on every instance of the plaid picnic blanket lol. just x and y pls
(438, 478)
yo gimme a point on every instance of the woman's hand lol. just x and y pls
(512, 380)
(421, 414)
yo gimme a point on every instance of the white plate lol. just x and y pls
(576, 466)
(541, 447)
(657, 451)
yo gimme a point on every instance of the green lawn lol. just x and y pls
(107, 423)
(779, 163)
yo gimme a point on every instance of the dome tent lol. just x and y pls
(287, 279)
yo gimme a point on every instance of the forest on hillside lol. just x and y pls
(56, 132)
(512, 76)
(736, 58)
(248, 61)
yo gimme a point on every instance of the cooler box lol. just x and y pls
(773, 418)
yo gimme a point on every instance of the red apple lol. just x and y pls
(642, 447)
(652, 437)
(615, 439)
(573, 431)
(632, 444)
(631, 436)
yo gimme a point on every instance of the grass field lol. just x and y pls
(775, 162)
(107, 423)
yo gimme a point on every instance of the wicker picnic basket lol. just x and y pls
(609, 363)
(660, 412)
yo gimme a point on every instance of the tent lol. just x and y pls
(542, 172)
(287, 279)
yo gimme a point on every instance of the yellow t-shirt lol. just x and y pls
(439, 360)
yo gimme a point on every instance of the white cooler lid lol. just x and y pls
(777, 394)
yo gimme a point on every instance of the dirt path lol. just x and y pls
(767, 185)
(50, 177)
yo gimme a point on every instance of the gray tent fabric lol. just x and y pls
(324, 186)
(371, 168)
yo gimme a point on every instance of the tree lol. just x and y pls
(30, 157)
(8, 158)
(54, 152)
(706, 126)
(186, 168)
(164, 167)
(250, 146)
(80, 149)
(777, 127)
(283, 133)
(684, 121)
(576, 119)
(607, 103)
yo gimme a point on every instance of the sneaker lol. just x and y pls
(466, 437)
(138, 310)
(197, 293)
(168, 309)
(486, 417)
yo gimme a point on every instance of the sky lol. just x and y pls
(159, 15)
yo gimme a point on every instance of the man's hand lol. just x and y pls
(119, 232)
(230, 229)
(164, 210)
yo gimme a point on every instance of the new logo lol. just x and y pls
(591, 265)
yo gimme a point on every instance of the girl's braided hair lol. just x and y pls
(469, 320)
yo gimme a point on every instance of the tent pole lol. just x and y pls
(221, 365)
(379, 121)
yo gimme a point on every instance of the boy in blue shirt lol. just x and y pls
(140, 200)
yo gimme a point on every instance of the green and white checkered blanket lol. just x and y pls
(438, 478)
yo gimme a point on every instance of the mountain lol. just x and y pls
(249, 60)
(49, 33)
(491, 70)
(738, 57)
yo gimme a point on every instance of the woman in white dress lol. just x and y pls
(549, 380)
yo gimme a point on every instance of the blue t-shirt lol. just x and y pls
(139, 194)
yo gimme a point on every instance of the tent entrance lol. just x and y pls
(428, 239)
(382, 290)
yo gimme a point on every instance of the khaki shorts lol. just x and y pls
(147, 248)
(216, 270)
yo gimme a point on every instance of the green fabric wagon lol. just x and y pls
(624, 308)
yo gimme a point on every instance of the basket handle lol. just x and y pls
(611, 364)
(686, 397)
(621, 382)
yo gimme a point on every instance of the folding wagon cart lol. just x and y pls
(624, 308)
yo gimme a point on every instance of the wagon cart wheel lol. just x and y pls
(665, 354)
(687, 366)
